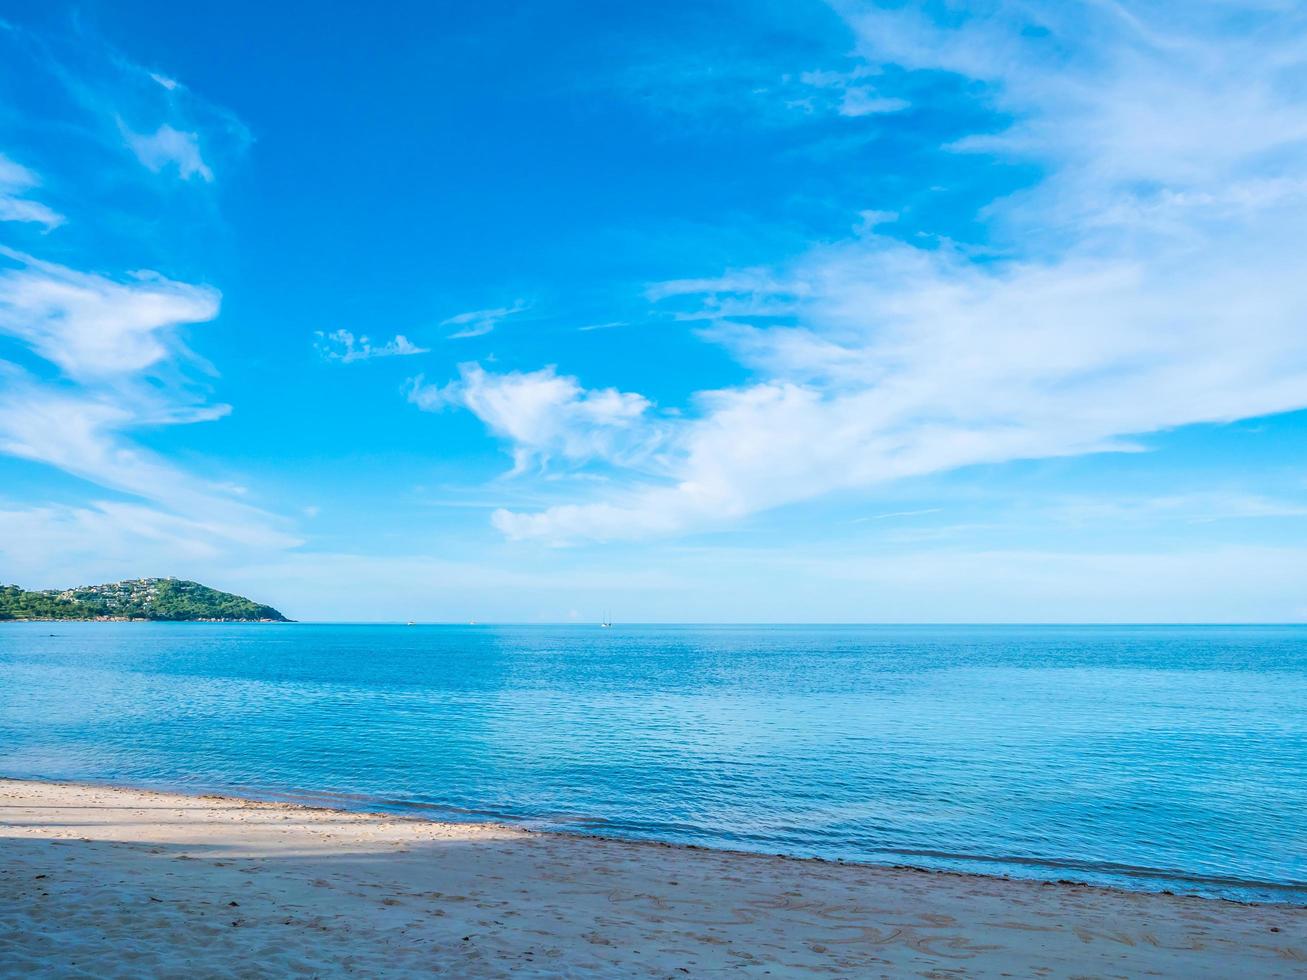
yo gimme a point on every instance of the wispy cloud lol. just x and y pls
(890, 515)
(343, 346)
(477, 323)
(85, 433)
(749, 70)
(125, 107)
(15, 205)
(1149, 280)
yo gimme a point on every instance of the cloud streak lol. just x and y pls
(477, 323)
(15, 181)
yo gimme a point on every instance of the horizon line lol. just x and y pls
(698, 623)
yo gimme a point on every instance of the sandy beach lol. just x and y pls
(114, 882)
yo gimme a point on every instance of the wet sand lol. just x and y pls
(99, 882)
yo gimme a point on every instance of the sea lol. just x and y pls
(1142, 757)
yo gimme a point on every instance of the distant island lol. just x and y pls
(155, 599)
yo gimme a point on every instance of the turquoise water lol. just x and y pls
(1146, 757)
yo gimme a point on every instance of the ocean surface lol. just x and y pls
(1143, 757)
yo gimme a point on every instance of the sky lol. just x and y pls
(687, 312)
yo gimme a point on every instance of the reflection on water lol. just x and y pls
(1152, 757)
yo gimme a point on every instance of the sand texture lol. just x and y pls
(114, 882)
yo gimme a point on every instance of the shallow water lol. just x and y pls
(1145, 757)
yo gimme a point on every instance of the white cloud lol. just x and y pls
(15, 181)
(343, 346)
(546, 415)
(476, 323)
(108, 337)
(1151, 280)
(92, 326)
(169, 147)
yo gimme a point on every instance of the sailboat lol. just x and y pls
(607, 623)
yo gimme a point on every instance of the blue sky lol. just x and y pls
(716, 311)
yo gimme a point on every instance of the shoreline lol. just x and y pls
(323, 802)
(134, 877)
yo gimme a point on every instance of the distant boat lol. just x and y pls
(411, 623)
(607, 623)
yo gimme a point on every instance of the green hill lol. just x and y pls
(166, 599)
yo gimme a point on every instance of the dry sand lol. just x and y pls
(115, 882)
